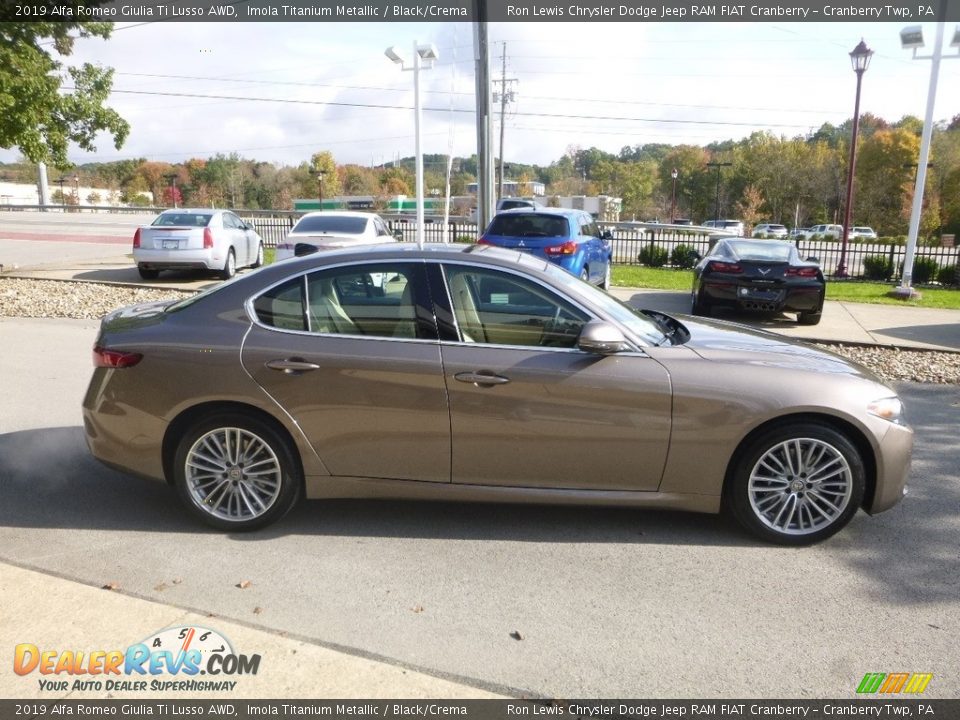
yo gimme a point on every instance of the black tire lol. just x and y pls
(585, 274)
(606, 283)
(147, 274)
(809, 318)
(699, 306)
(229, 266)
(265, 496)
(822, 493)
(259, 261)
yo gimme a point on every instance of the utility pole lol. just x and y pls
(505, 95)
(485, 202)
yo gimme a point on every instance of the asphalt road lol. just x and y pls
(608, 602)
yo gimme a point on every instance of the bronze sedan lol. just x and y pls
(472, 373)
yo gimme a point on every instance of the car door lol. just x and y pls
(529, 409)
(351, 354)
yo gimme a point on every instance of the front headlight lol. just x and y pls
(887, 408)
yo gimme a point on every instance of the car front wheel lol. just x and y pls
(605, 285)
(259, 261)
(235, 472)
(796, 484)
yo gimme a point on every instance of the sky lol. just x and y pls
(287, 90)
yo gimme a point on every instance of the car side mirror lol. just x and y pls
(606, 235)
(248, 226)
(301, 249)
(602, 338)
(398, 234)
(813, 259)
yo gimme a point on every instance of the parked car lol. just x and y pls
(773, 230)
(507, 203)
(800, 232)
(329, 229)
(763, 275)
(735, 227)
(863, 232)
(480, 374)
(196, 239)
(827, 230)
(682, 221)
(569, 238)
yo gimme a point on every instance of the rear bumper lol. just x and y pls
(207, 259)
(796, 298)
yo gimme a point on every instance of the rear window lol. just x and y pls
(532, 225)
(320, 224)
(183, 219)
(774, 251)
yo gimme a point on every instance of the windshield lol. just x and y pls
(181, 219)
(529, 225)
(331, 224)
(645, 329)
(774, 251)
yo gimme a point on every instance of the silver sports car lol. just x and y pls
(473, 373)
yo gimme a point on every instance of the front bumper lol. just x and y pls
(893, 467)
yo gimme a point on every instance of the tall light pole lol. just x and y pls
(911, 38)
(860, 60)
(673, 200)
(319, 175)
(421, 53)
(718, 165)
(76, 185)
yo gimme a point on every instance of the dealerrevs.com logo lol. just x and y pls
(893, 683)
(173, 659)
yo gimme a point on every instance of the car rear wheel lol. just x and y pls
(699, 306)
(147, 274)
(797, 484)
(808, 318)
(229, 266)
(585, 274)
(259, 261)
(236, 473)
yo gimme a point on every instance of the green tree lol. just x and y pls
(46, 105)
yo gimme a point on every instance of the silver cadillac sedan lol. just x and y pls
(473, 373)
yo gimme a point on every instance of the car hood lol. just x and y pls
(733, 343)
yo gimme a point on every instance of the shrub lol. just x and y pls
(924, 270)
(947, 275)
(683, 256)
(877, 267)
(653, 256)
(465, 239)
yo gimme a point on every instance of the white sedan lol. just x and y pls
(200, 239)
(335, 229)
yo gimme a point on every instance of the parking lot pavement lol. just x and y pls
(554, 601)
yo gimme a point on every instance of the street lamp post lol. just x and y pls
(76, 185)
(860, 60)
(718, 165)
(319, 175)
(673, 199)
(63, 198)
(421, 53)
(911, 38)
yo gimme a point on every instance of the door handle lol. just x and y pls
(486, 379)
(292, 366)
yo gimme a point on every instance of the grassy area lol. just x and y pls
(269, 255)
(666, 279)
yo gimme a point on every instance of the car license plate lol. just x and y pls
(751, 294)
(171, 244)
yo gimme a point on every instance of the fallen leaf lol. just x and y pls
(177, 581)
(161, 587)
(417, 608)
(110, 586)
(243, 584)
(516, 635)
(257, 610)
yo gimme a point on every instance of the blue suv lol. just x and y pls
(569, 238)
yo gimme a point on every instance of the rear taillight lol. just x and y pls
(724, 267)
(482, 240)
(801, 272)
(567, 248)
(136, 238)
(104, 358)
(207, 238)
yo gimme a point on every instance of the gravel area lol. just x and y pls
(21, 297)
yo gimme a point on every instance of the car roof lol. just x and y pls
(541, 210)
(187, 211)
(339, 213)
